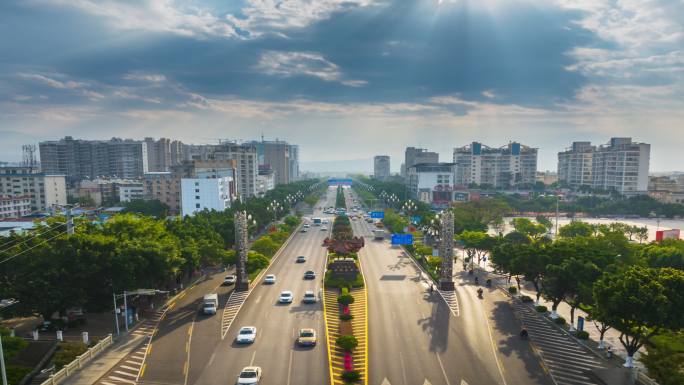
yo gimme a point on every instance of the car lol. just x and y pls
(301, 259)
(229, 280)
(270, 279)
(325, 221)
(309, 297)
(324, 228)
(285, 297)
(246, 335)
(310, 275)
(307, 337)
(306, 225)
(303, 230)
(249, 375)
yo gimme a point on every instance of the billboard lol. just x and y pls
(667, 234)
(339, 182)
(377, 214)
(402, 239)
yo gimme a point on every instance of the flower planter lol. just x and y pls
(348, 363)
(346, 328)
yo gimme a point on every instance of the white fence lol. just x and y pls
(78, 363)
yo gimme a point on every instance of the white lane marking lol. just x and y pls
(124, 373)
(251, 362)
(121, 379)
(403, 367)
(426, 382)
(289, 368)
(443, 371)
(491, 339)
(463, 382)
(385, 382)
(258, 299)
(213, 355)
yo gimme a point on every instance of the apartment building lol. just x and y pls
(79, 159)
(280, 156)
(15, 207)
(163, 153)
(265, 180)
(246, 161)
(131, 191)
(504, 167)
(164, 187)
(414, 155)
(575, 165)
(43, 190)
(198, 194)
(432, 183)
(621, 165)
(381, 167)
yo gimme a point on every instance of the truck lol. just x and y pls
(317, 221)
(379, 235)
(210, 304)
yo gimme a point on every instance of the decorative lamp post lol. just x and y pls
(446, 252)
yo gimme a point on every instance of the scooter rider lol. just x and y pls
(479, 292)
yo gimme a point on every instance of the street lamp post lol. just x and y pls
(3, 304)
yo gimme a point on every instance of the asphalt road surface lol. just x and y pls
(416, 339)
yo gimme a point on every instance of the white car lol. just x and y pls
(285, 297)
(229, 280)
(249, 375)
(270, 279)
(324, 228)
(246, 335)
(306, 225)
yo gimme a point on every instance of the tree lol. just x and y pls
(544, 221)
(478, 243)
(665, 358)
(576, 229)
(527, 227)
(265, 246)
(640, 302)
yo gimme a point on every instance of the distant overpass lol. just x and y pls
(339, 182)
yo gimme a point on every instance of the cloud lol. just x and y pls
(143, 77)
(288, 64)
(260, 17)
(153, 15)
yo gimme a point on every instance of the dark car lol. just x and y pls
(309, 275)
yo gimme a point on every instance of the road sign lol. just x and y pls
(580, 323)
(377, 214)
(402, 239)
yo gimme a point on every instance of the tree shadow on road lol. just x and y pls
(436, 325)
(510, 344)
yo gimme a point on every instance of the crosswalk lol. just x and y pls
(566, 360)
(147, 327)
(451, 300)
(127, 371)
(233, 305)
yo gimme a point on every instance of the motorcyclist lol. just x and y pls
(477, 281)
(479, 292)
(523, 333)
(489, 282)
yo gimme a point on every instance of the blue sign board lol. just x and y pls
(580, 323)
(339, 182)
(415, 219)
(402, 239)
(377, 214)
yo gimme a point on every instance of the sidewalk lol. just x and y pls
(611, 337)
(99, 366)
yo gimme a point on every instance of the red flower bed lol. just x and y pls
(348, 364)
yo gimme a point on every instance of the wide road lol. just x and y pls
(283, 363)
(416, 339)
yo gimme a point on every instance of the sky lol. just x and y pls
(346, 79)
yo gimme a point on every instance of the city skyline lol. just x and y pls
(339, 76)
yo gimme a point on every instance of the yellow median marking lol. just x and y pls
(142, 371)
(182, 295)
(185, 368)
(149, 349)
(172, 305)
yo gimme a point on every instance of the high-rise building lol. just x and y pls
(413, 156)
(14, 207)
(165, 187)
(43, 190)
(575, 165)
(381, 167)
(89, 159)
(622, 166)
(504, 167)
(280, 156)
(163, 153)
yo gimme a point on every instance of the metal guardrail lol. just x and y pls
(78, 363)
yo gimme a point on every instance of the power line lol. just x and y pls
(31, 248)
(28, 239)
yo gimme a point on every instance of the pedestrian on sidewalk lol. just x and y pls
(432, 288)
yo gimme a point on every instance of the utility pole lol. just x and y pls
(557, 199)
(116, 316)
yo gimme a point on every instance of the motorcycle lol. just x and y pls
(488, 283)
(524, 334)
(477, 281)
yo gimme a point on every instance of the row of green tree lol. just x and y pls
(634, 288)
(50, 271)
(340, 202)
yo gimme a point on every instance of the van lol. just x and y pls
(210, 304)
